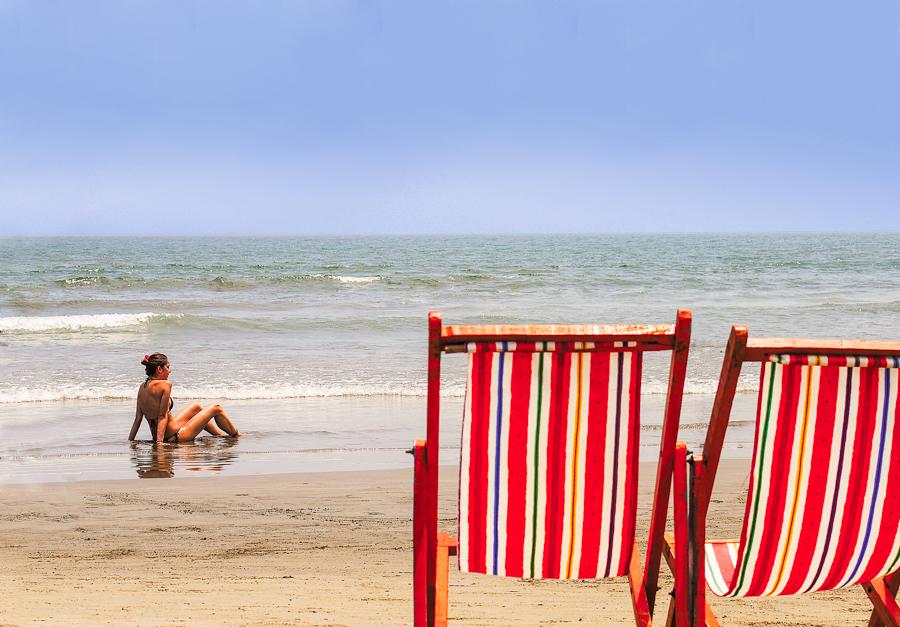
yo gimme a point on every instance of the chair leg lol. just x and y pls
(421, 583)
(711, 620)
(883, 592)
(681, 568)
(670, 615)
(702, 612)
(446, 546)
(639, 600)
(668, 553)
(688, 606)
(441, 576)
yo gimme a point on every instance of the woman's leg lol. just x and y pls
(214, 430)
(224, 422)
(198, 422)
(181, 419)
(189, 412)
(192, 428)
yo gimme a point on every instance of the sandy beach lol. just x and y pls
(317, 548)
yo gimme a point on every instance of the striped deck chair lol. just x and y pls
(823, 504)
(549, 457)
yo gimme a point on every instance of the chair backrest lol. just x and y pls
(823, 505)
(548, 472)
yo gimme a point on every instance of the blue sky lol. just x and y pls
(139, 117)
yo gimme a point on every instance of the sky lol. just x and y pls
(412, 116)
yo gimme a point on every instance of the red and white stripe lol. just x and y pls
(548, 476)
(823, 508)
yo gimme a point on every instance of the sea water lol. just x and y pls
(317, 346)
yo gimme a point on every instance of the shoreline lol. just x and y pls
(279, 437)
(307, 548)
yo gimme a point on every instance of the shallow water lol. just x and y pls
(45, 442)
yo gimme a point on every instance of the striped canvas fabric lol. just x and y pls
(823, 509)
(548, 472)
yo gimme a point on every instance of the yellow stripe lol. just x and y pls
(574, 469)
(787, 544)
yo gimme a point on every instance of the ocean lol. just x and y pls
(317, 345)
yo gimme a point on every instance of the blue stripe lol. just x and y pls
(497, 452)
(887, 396)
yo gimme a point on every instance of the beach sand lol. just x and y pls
(301, 548)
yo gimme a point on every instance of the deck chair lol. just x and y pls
(549, 457)
(823, 503)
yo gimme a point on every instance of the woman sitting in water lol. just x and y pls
(154, 402)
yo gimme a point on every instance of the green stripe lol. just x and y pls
(720, 580)
(759, 481)
(537, 438)
(894, 563)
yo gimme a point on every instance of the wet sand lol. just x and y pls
(318, 548)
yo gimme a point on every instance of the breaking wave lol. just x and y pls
(223, 392)
(81, 322)
(269, 391)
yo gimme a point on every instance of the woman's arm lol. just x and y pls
(163, 411)
(138, 416)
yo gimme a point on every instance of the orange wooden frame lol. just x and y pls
(431, 550)
(700, 479)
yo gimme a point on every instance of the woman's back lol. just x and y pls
(151, 398)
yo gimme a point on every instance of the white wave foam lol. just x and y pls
(57, 324)
(692, 387)
(286, 391)
(355, 279)
(223, 392)
(262, 391)
(68, 393)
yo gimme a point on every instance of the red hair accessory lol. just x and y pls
(146, 357)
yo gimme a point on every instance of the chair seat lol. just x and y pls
(720, 559)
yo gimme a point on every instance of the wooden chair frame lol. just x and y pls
(695, 490)
(431, 550)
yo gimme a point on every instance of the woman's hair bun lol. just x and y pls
(154, 361)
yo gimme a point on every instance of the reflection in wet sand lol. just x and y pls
(158, 461)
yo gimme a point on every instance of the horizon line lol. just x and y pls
(450, 234)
